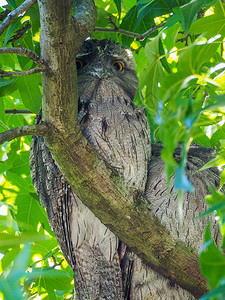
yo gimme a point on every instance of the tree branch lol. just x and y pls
(138, 36)
(17, 111)
(28, 53)
(40, 129)
(15, 13)
(85, 17)
(22, 73)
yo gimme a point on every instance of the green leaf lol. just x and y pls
(9, 257)
(12, 3)
(194, 56)
(26, 42)
(212, 210)
(215, 162)
(46, 249)
(128, 23)
(171, 36)
(12, 28)
(21, 165)
(19, 181)
(212, 261)
(217, 136)
(56, 279)
(163, 59)
(158, 7)
(118, 5)
(27, 205)
(220, 291)
(29, 89)
(10, 286)
(212, 25)
(189, 12)
(2, 111)
(4, 82)
(152, 75)
(8, 241)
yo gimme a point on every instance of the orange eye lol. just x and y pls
(80, 64)
(118, 66)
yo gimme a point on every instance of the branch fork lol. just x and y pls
(43, 66)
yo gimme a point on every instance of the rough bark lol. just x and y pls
(123, 210)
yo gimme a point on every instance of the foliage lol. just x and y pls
(181, 69)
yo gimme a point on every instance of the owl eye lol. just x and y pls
(118, 66)
(80, 64)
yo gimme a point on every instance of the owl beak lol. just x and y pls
(99, 72)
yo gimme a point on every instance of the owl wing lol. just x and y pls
(141, 282)
(54, 194)
(88, 246)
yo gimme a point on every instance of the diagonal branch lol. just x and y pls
(138, 36)
(40, 129)
(27, 53)
(15, 13)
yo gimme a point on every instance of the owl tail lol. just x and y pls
(97, 278)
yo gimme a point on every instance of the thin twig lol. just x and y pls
(18, 112)
(22, 73)
(138, 36)
(113, 23)
(15, 13)
(25, 52)
(40, 129)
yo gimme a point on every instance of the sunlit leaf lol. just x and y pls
(10, 286)
(212, 261)
(118, 5)
(189, 12)
(215, 162)
(29, 89)
(212, 25)
(30, 213)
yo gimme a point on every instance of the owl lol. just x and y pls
(105, 268)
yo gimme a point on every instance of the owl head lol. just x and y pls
(108, 62)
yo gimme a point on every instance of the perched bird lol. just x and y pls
(104, 268)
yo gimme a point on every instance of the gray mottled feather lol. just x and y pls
(119, 132)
